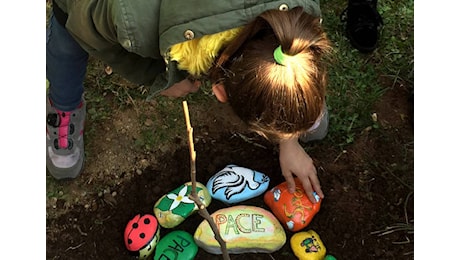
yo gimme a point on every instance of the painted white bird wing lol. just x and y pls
(233, 182)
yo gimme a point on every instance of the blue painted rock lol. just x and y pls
(307, 245)
(245, 229)
(295, 211)
(176, 245)
(141, 235)
(235, 184)
(174, 207)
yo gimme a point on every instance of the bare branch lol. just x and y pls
(194, 196)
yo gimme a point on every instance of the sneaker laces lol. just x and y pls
(61, 121)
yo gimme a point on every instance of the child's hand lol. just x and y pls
(294, 160)
(182, 88)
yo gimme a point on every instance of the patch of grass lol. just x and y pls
(56, 190)
(355, 79)
(397, 54)
(168, 118)
(53, 189)
(162, 126)
(106, 93)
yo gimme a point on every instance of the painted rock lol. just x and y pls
(141, 235)
(307, 245)
(294, 211)
(176, 245)
(245, 229)
(173, 208)
(235, 184)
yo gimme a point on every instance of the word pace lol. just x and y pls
(241, 223)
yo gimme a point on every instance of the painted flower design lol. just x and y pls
(178, 202)
(181, 197)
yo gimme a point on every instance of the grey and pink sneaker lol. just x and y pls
(64, 141)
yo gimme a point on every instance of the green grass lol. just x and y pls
(168, 123)
(357, 81)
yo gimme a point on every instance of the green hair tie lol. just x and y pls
(279, 56)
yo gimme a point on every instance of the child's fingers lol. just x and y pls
(290, 181)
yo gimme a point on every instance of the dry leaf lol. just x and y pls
(108, 70)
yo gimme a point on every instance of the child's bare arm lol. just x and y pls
(181, 89)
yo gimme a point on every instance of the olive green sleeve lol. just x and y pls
(98, 28)
(136, 69)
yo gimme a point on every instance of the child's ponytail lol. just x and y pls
(273, 72)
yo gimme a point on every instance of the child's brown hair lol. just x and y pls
(276, 100)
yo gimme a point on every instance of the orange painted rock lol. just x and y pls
(295, 211)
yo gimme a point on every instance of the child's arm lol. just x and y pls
(295, 161)
(181, 88)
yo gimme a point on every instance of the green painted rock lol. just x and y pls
(176, 245)
(174, 207)
(245, 229)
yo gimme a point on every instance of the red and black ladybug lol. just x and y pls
(142, 234)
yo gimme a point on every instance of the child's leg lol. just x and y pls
(65, 67)
(65, 107)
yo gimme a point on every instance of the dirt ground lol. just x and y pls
(367, 212)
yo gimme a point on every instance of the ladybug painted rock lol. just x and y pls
(142, 234)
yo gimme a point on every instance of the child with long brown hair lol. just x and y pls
(265, 59)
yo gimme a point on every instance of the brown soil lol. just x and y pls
(367, 185)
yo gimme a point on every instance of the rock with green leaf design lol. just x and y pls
(175, 206)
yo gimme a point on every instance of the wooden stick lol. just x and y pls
(194, 196)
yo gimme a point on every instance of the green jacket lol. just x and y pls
(134, 36)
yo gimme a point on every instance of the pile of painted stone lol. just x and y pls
(244, 228)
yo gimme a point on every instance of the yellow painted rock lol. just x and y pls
(174, 207)
(245, 229)
(307, 245)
